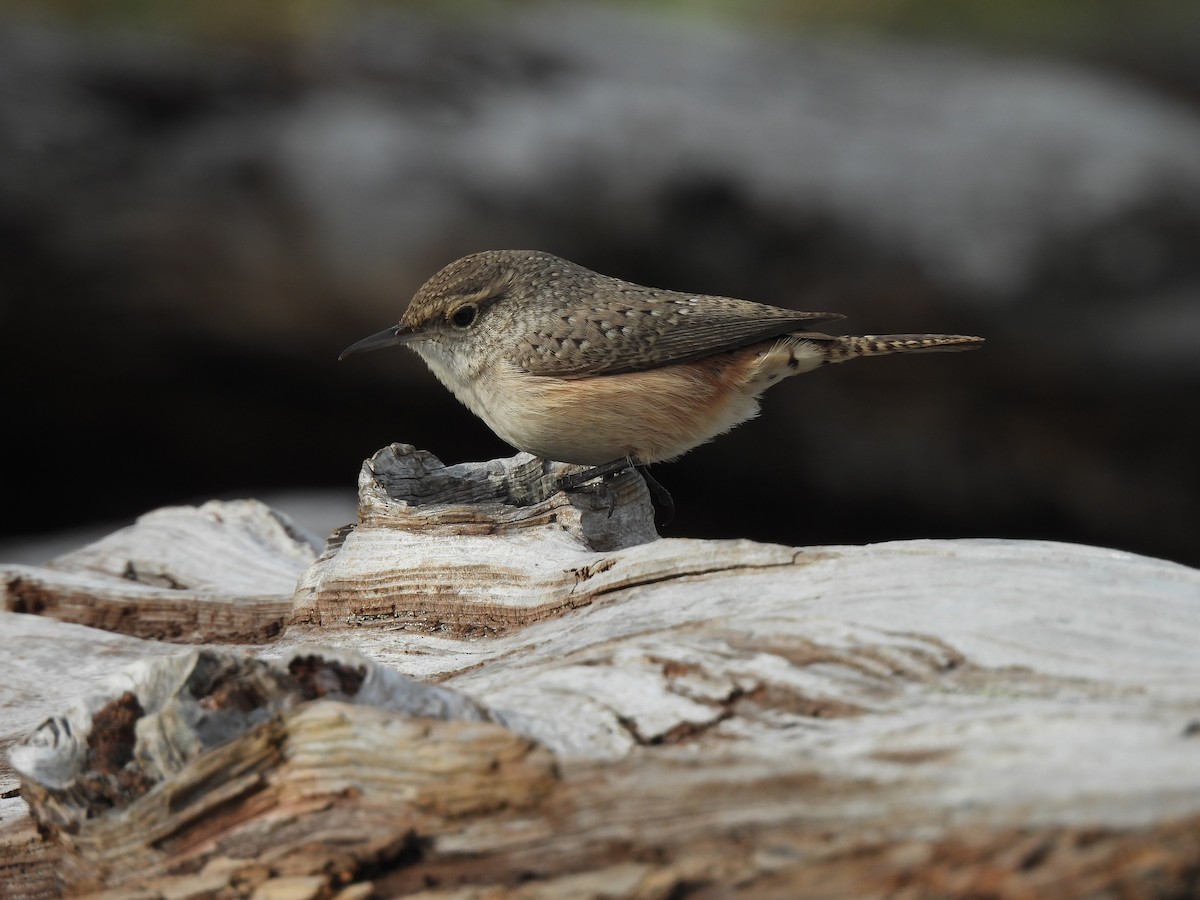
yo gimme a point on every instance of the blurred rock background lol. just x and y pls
(202, 203)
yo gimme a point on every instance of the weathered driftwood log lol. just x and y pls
(645, 717)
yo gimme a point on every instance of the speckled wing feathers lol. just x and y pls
(614, 326)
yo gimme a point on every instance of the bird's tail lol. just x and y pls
(844, 347)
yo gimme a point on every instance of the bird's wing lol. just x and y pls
(637, 328)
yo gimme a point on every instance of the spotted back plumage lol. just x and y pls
(559, 319)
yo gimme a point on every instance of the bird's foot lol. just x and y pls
(576, 480)
(659, 496)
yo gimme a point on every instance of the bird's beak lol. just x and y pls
(389, 337)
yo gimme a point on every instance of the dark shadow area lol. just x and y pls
(192, 228)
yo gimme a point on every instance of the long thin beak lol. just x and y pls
(389, 337)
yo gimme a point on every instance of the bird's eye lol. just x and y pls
(464, 315)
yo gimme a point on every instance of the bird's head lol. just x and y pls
(464, 302)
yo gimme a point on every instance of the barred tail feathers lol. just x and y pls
(844, 347)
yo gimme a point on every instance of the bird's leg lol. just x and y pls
(659, 496)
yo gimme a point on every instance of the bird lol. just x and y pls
(582, 368)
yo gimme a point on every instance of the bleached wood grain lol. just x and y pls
(922, 716)
(220, 572)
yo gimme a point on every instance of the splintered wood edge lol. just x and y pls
(176, 760)
(138, 724)
(324, 768)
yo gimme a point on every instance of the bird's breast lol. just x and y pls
(652, 415)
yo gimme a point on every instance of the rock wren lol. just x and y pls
(579, 367)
